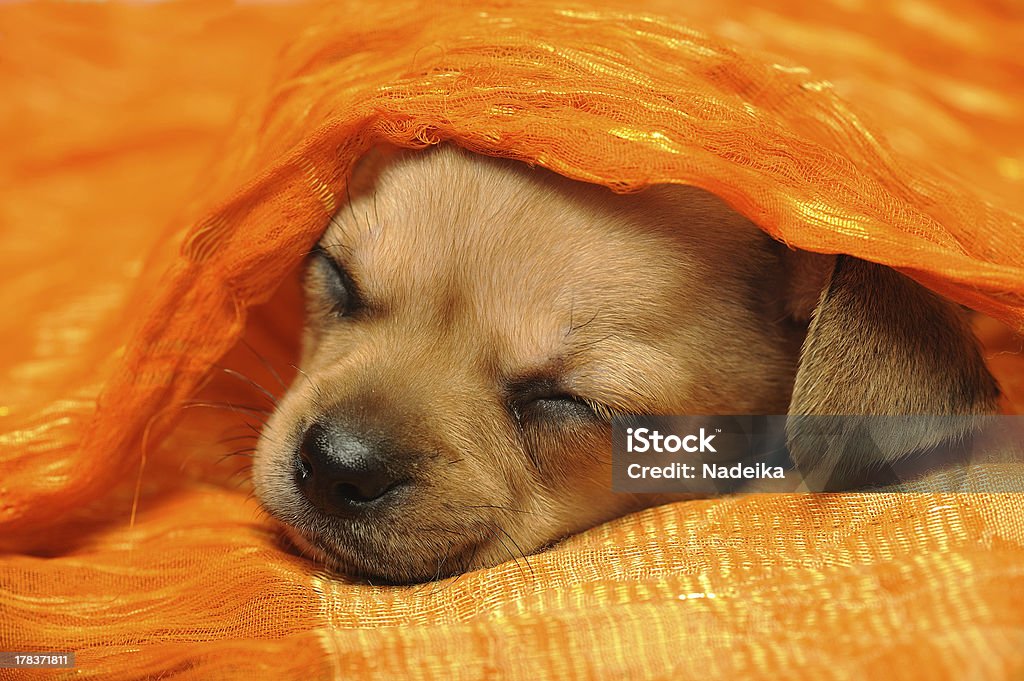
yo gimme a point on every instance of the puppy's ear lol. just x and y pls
(878, 343)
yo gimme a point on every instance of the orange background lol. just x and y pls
(164, 168)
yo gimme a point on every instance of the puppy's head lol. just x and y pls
(472, 326)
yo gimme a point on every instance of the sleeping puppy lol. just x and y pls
(473, 324)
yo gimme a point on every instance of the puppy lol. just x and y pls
(473, 325)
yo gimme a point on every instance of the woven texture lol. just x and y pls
(165, 167)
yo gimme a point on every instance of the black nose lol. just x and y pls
(342, 474)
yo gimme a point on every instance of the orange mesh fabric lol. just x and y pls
(165, 167)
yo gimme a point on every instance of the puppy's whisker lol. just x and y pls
(266, 363)
(444, 560)
(508, 551)
(257, 434)
(348, 197)
(326, 247)
(461, 538)
(226, 406)
(262, 433)
(521, 552)
(316, 388)
(578, 349)
(573, 328)
(472, 556)
(340, 222)
(464, 567)
(437, 571)
(245, 453)
(239, 477)
(242, 377)
(236, 438)
(459, 573)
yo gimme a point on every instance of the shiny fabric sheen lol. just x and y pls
(165, 167)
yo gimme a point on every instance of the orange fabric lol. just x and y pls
(165, 167)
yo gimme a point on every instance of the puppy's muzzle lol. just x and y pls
(345, 473)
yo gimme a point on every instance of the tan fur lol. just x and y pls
(880, 344)
(479, 276)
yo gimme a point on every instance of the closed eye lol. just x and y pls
(542, 399)
(334, 287)
(563, 407)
